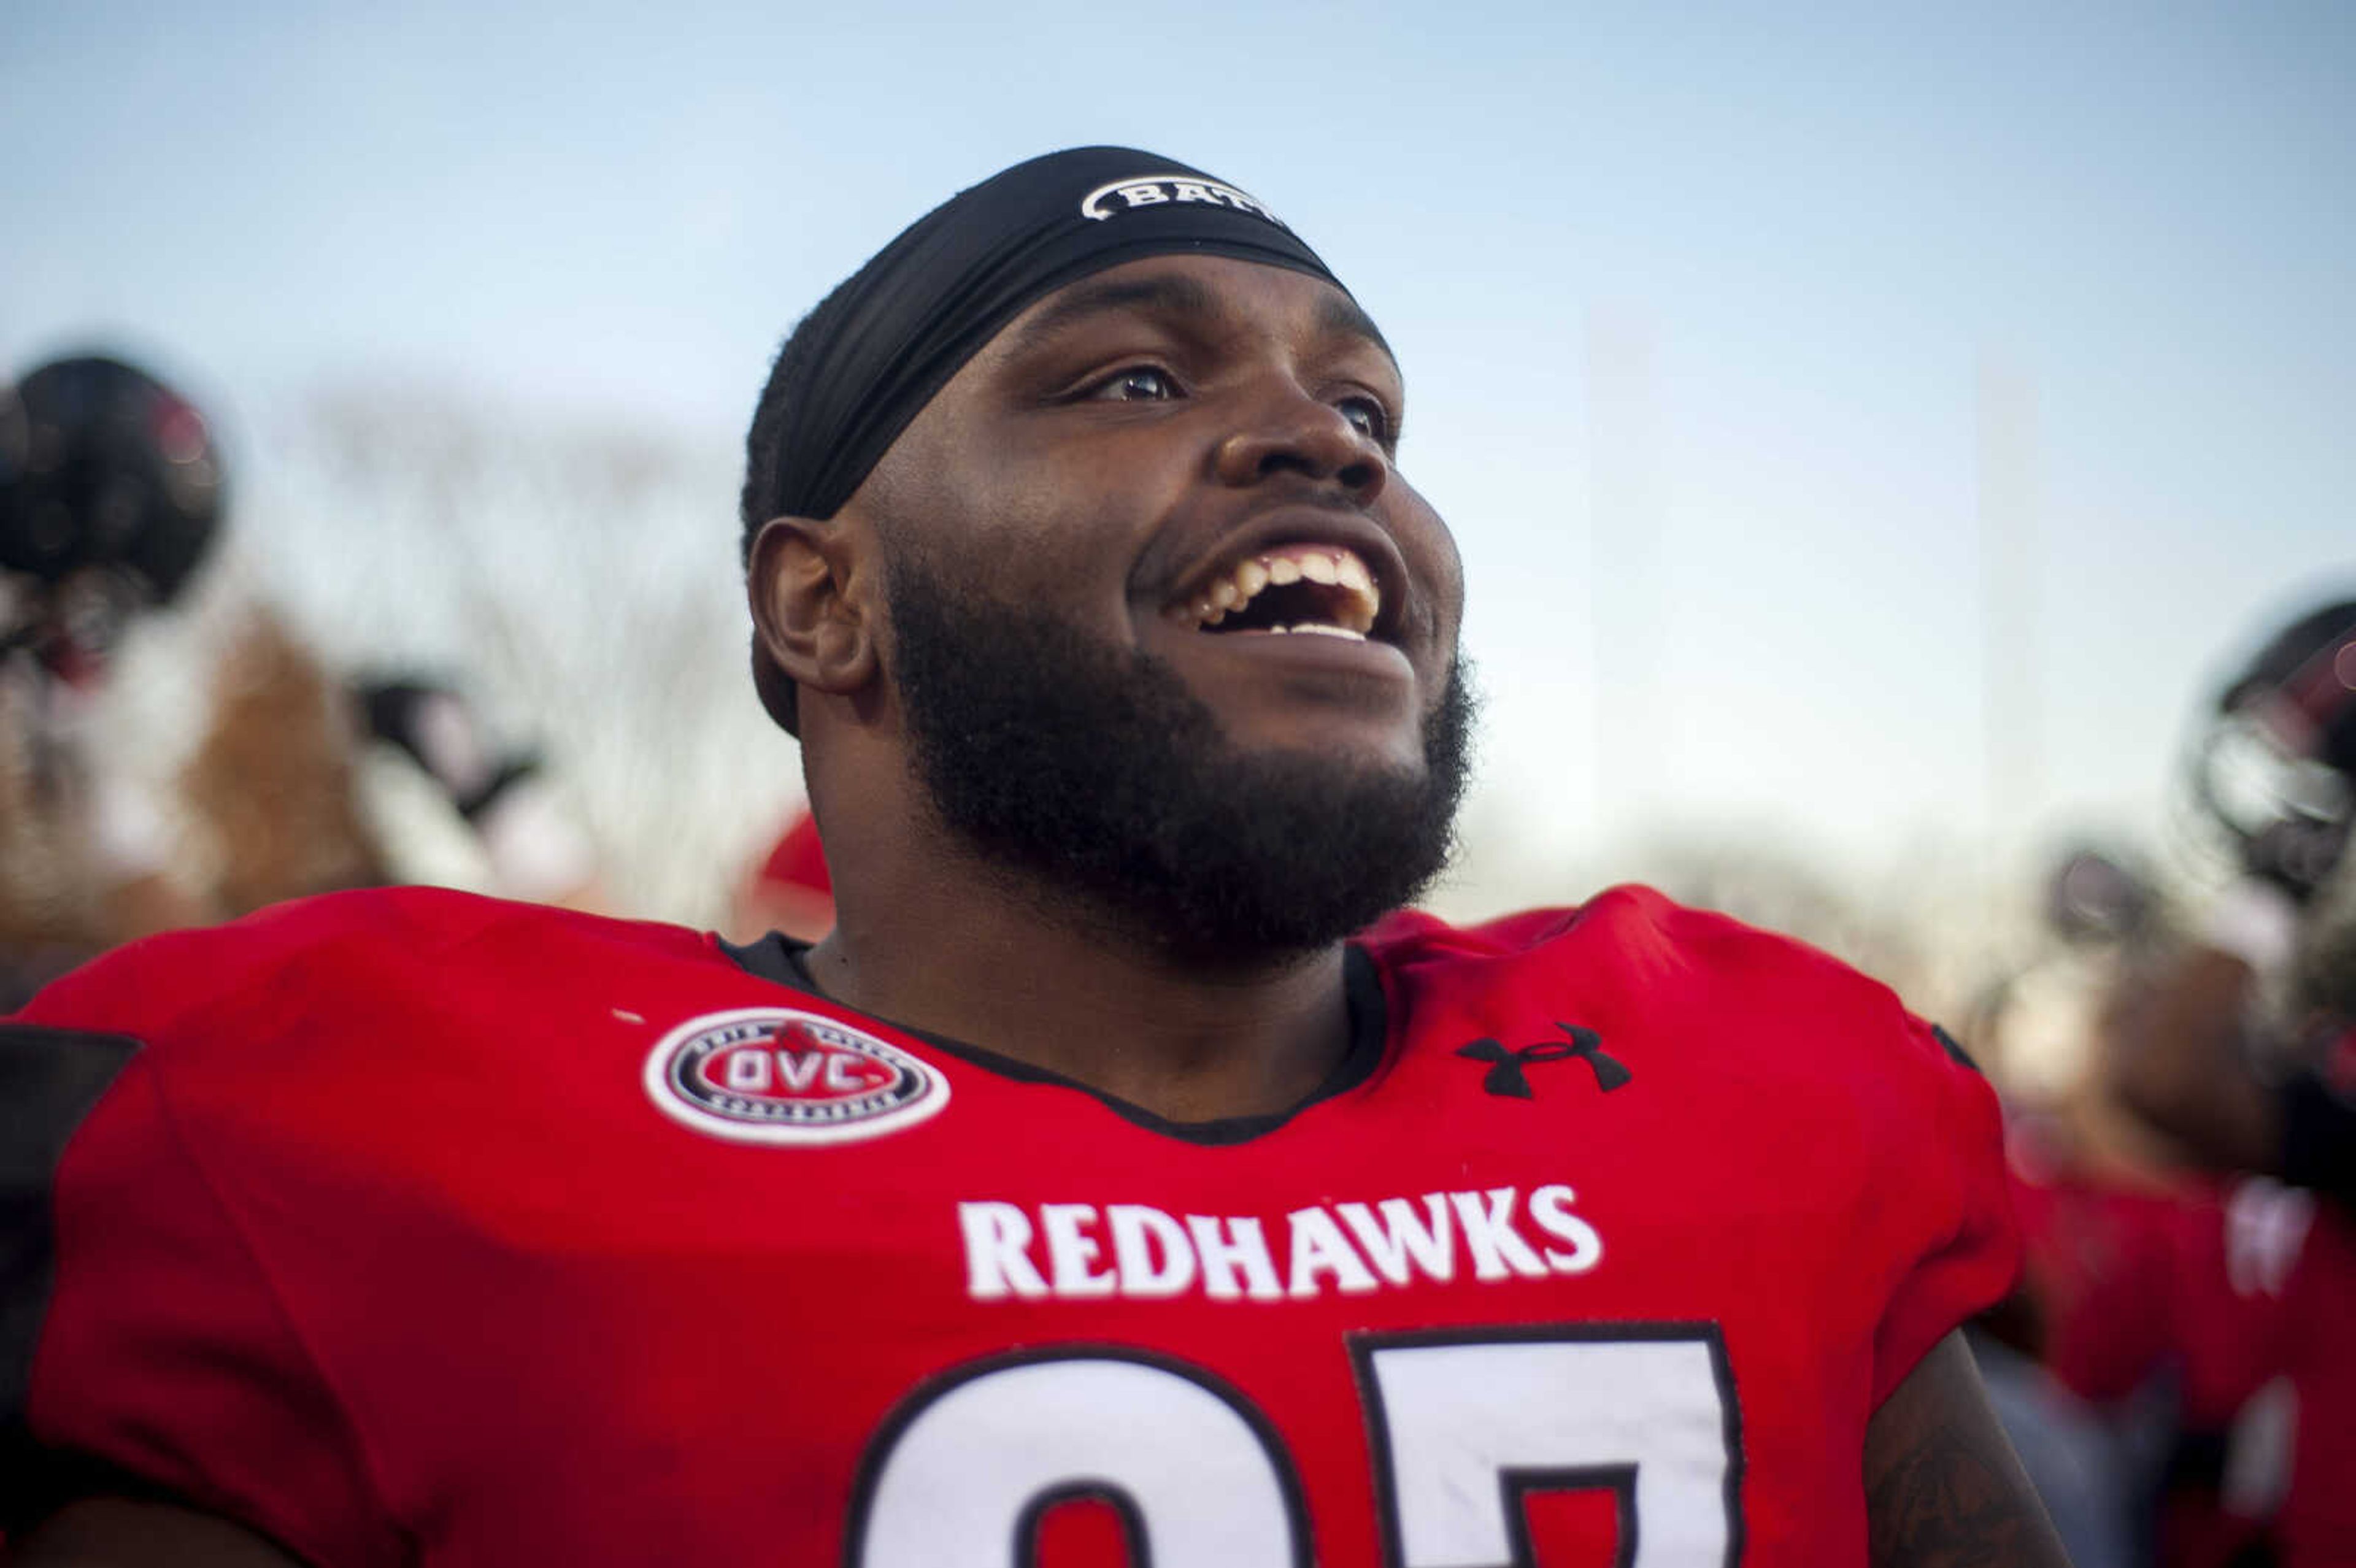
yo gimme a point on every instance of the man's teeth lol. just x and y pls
(1350, 611)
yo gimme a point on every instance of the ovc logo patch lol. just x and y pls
(774, 1075)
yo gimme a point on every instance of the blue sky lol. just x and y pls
(1695, 304)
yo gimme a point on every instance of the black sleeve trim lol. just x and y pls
(50, 1079)
(1948, 1044)
(48, 1084)
(2318, 1138)
(40, 1481)
(44, 1481)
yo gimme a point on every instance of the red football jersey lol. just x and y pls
(2134, 1280)
(2315, 1526)
(418, 1227)
(2242, 1293)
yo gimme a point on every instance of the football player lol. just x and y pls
(1121, 1180)
(111, 495)
(2209, 1048)
(2276, 770)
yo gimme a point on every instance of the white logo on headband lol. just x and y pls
(1155, 190)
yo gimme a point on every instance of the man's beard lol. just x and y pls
(1087, 771)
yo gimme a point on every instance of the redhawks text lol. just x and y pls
(1079, 1250)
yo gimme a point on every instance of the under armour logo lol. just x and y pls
(1505, 1077)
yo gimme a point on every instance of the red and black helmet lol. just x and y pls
(2301, 688)
(2275, 761)
(102, 465)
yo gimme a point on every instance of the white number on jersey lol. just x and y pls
(1465, 1424)
(966, 1479)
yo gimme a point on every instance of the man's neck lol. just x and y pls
(953, 952)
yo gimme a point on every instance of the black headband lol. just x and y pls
(905, 323)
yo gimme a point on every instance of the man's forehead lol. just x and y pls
(1215, 292)
(895, 332)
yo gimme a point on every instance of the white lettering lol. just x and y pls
(842, 1075)
(2266, 1227)
(1550, 1210)
(1071, 1255)
(1243, 203)
(1318, 1247)
(1490, 1236)
(995, 1266)
(1137, 1231)
(1148, 192)
(800, 1068)
(748, 1071)
(1221, 1257)
(1401, 1237)
(1141, 1252)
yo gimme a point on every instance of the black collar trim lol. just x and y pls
(779, 959)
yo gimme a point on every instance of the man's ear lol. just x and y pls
(811, 599)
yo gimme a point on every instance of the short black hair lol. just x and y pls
(767, 481)
(766, 448)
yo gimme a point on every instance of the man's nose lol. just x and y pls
(1290, 432)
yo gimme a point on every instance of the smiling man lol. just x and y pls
(1122, 1179)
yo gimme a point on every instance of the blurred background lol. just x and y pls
(1868, 429)
(1876, 435)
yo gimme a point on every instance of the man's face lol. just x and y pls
(1146, 443)
(1166, 626)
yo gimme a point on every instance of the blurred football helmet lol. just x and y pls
(2273, 765)
(101, 465)
(2096, 896)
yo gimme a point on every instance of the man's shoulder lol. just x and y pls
(1693, 976)
(1640, 930)
(349, 943)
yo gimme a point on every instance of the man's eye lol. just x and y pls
(1141, 385)
(1367, 417)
